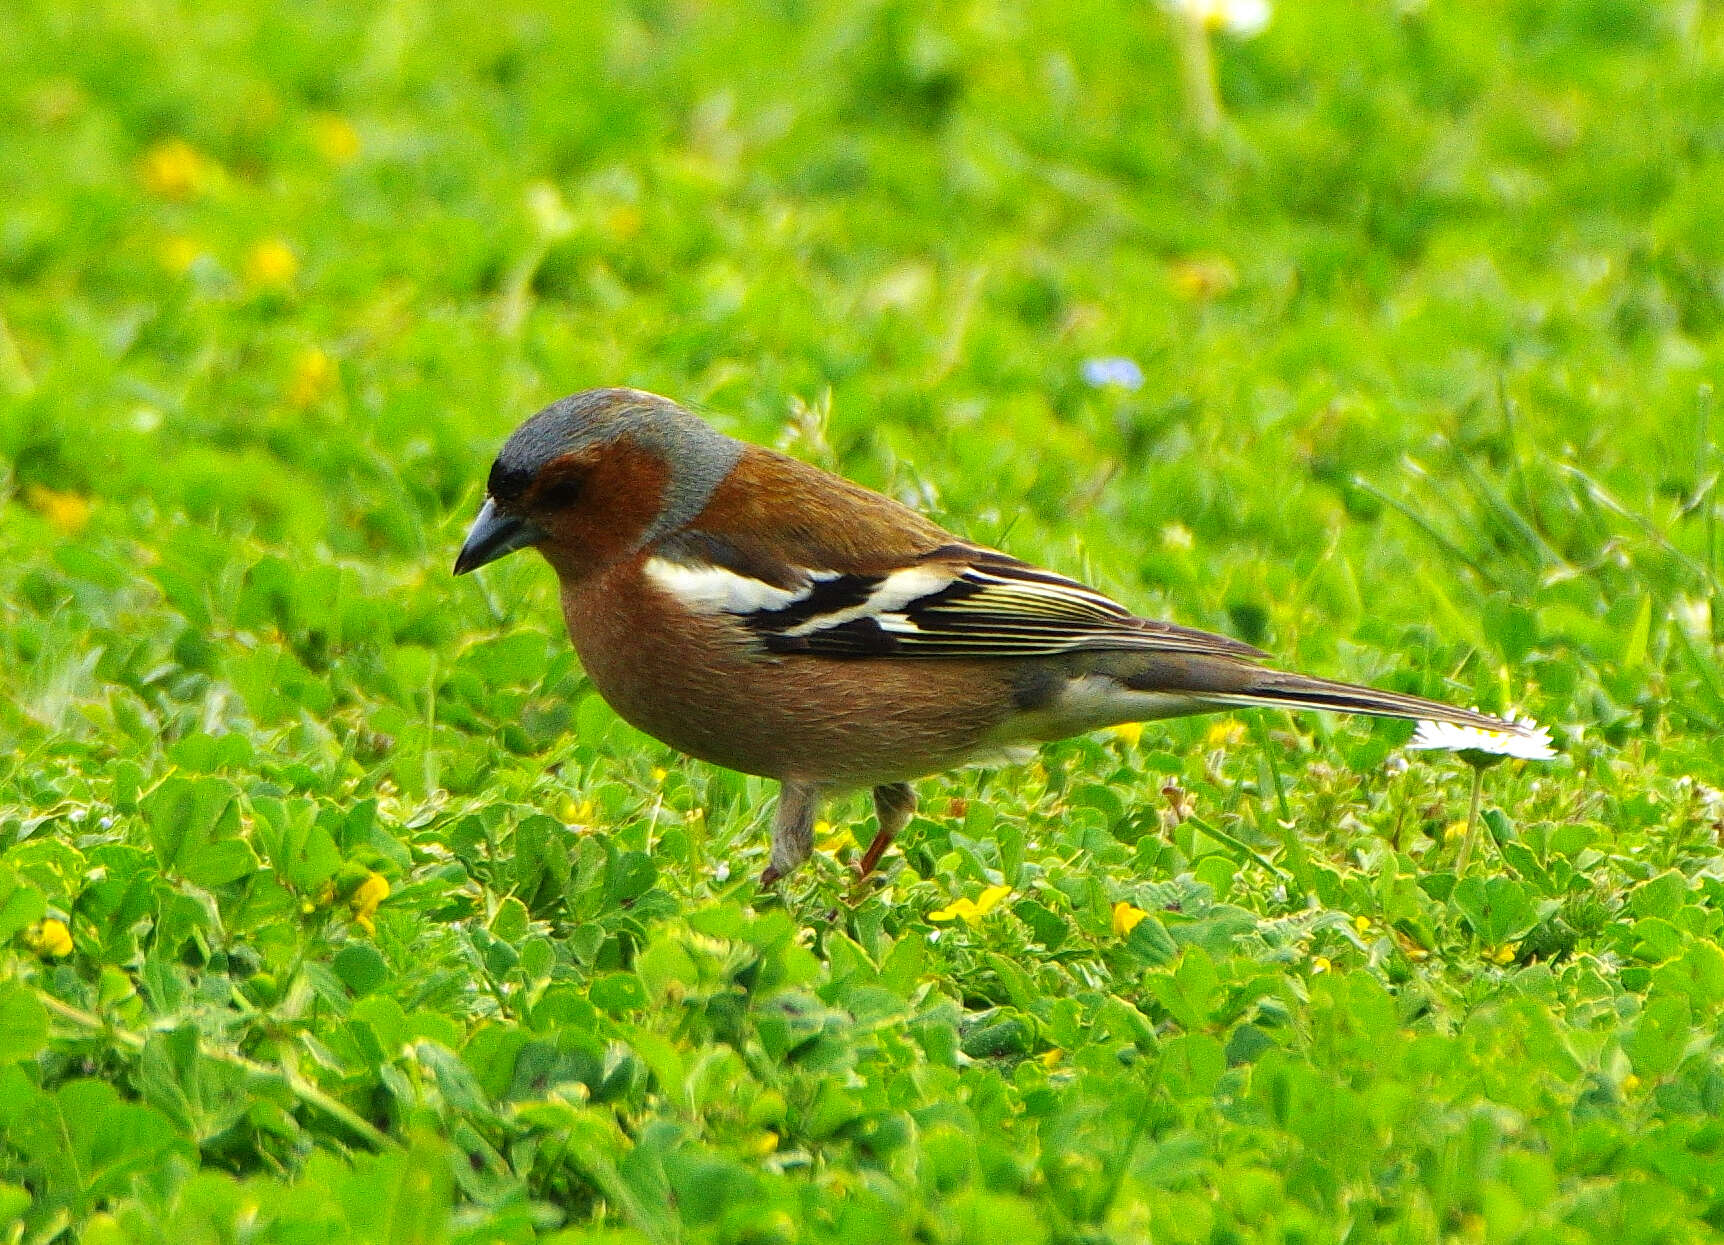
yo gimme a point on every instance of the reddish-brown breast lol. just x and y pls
(696, 683)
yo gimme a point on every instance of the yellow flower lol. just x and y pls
(365, 898)
(313, 376)
(49, 939)
(660, 773)
(1126, 918)
(576, 812)
(271, 262)
(173, 169)
(622, 222)
(1320, 964)
(66, 513)
(335, 138)
(1454, 830)
(178, 254)
(832, 838)
(763, 1144)
(1362, 925)
(1051, 1057)
(1128, 733)
(970, 911)
(1502, 955)
(1630, 1083)
(1204, 277)
(1223, 734)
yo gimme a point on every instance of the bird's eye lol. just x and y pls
(558, 493)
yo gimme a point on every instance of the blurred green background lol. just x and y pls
(1413, 349)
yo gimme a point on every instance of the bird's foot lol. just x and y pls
(876, 849)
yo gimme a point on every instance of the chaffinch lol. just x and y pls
(764, 615)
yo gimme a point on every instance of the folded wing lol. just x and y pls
(956, 601)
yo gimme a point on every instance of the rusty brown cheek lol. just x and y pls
(621, 495)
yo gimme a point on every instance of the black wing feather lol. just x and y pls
(991, 605)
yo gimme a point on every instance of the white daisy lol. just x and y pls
(1528, 740)
(1240, 18)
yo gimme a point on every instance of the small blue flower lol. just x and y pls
(1114, 370)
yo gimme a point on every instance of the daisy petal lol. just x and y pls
(1528, 740)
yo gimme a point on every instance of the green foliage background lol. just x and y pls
(1428, 330)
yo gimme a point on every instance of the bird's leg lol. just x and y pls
(792, 829)
(893, 804)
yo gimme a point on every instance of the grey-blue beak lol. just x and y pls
(493, 535)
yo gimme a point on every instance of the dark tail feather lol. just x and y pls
(1281, 689)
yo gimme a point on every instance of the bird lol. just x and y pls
(759, 613)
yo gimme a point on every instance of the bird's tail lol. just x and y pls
(1282, 689)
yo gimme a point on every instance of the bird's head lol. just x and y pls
(594, 478)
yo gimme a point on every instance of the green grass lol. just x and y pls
(1429, 330)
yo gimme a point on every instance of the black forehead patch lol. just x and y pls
(560, 428)
(508, 480)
